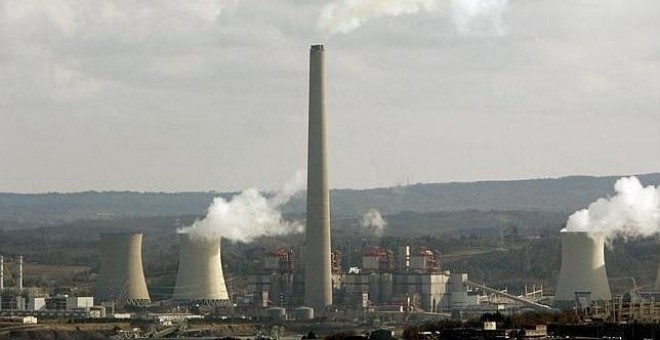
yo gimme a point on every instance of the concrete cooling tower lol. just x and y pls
(200, 279)
(318, 271)
(122, 279)
(582, 268)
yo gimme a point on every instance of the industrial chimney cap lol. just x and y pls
(317, 48)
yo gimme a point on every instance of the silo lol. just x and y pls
(200, 279)
(318, 270)
(122, 278)
(582, 268)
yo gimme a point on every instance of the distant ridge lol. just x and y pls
(546, 195)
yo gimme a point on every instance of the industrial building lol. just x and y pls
(408, 280)
(31, 302)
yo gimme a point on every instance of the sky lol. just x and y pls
(206, 95)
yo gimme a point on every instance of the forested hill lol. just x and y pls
(550, 195)
(547, 195)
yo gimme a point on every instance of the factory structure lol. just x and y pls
(313, 280)
(29, 303)
(405, 280)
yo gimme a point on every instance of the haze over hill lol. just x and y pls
(544, 195)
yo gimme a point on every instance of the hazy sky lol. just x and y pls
(212, 95)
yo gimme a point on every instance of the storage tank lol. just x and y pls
(276, 313)
(582, 268)
(304, 313)
(121, 278)
(200, 279)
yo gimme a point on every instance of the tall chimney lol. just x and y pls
(20, 273)
(318, 280)
(2, 273)
(657, 279)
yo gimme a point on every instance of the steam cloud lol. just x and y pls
(634, 211)
(374, 222)
(248, 215)
(482, 17)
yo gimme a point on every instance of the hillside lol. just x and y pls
(544, 195)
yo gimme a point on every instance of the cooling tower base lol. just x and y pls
(138, 302)
(204, 302)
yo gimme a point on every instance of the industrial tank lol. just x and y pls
(582, 268)
(200, 279)
(121, 278)
(304, 313)
(276, 314)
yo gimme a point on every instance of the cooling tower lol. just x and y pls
(122, 279)
(200, 279)
(582, 268)
(318, 284)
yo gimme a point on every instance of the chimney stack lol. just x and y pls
(318, 279)
(2, 273)
(20, 273)
(657, 279)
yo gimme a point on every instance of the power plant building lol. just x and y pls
(318, 267)
(121, 278)
(200, 279)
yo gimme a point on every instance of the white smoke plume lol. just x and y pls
(345, 16)
(374, 222)
(634, 211)
(479, 17)
(248, 215)
(470, 16)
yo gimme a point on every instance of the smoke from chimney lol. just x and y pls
(634, 211)
(248, 215)
(481, 17)
(373, 222)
